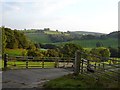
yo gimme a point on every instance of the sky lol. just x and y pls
(63, 15)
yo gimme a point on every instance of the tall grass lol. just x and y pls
(83, 81)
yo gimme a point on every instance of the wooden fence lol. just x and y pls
(99, 66)
(37, 62)
(80, 64)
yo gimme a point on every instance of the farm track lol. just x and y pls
(30, 78)
(35, 78)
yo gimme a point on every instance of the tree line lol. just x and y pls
(13, 39)
(69, 36)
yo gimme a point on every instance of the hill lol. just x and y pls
(38, 37)
(83, 38)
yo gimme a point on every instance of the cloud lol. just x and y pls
(61, 14)
(11, 6)
(44, 7)
(54, 6)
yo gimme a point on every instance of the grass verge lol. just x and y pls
(82, 81)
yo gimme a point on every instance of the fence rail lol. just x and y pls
(98, 67)
(37, 62)
(80, 64)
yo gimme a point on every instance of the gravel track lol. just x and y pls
(30, 78)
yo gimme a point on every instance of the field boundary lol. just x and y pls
(37, 62)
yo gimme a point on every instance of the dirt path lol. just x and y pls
(30, 78)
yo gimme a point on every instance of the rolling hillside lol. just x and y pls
(38, 37)
(85, 39)
(110, 42)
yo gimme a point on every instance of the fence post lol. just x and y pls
(5, 60)
(64, 62)
(27, 63)
(43, 63)
(103, 66)
(56, 62)
(88, 65)
(99, 65)
(81, 66)
(77, 62)
(95, 66)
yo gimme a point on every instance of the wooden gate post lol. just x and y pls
(5, 60)
(95, 65)
(56, 63)
(103, 66)
(81, 66)
(27, 63)
(43, 62)
(77, 62)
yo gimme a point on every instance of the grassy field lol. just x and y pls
(21, 64)
(92, 43)
(44, 38)
(18, 52)
(83, 81)
(38, 38)
(52, 32)
(15, 52)
(30, 64)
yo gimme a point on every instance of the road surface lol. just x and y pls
(30, 78)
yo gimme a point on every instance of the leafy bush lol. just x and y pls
(69, 49)
(99, 53)
(36, 52)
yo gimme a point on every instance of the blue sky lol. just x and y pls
(63, 15)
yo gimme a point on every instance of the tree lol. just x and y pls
(46, 29)
(3, 39)
(11, 42)
(101, 52)
(99, 44)
(14, 39)
(69, 49)
(88, 37)
(36, 52)
(52, 53)
(21, 39)
(114, 52)
(118, 52)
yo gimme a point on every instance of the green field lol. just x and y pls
(92, 43)
(38, 37)
(15, 52)
(52, 32)
(18, 52)
(21, 64)
(43, 38)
